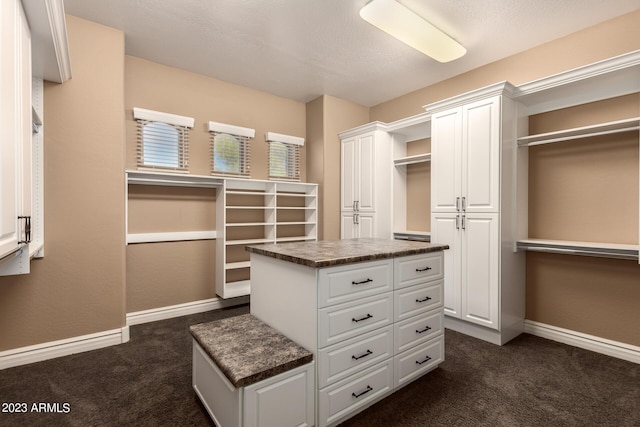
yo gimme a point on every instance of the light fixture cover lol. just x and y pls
(405, 25)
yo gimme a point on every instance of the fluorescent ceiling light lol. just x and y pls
(403, 24)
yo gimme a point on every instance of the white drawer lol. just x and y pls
(340, 322)
(417, 330)
(413, 363)
(344, 398)
(349, 357)
(345, 283)
(415, 269)
(418, 299)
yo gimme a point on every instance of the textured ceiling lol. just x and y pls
(301, 49)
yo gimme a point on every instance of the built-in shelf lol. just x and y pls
(602, 250)
(410, 160)
(619, 126)
(175, 236)
(172, 179)
(237, 265)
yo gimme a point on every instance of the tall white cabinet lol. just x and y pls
(15, 129)
(473, 153)
(365, 186)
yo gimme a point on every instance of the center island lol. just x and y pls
(369, 310)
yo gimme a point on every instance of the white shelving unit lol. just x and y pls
(253, 212)
(606, 79)
(403, 131)
(248, 212)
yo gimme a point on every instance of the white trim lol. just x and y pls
(178, 310)
(231, 129)
(174, 236)
(65, 347)
(287, 139)
(617, 349)
(158, 116)
(501, 88)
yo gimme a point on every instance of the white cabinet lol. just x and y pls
(472, 277)
(473, 195)
(467, 143)
(365, 186)
(15, 130)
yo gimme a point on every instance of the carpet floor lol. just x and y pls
(530, 381)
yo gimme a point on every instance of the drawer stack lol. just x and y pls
(379, 327)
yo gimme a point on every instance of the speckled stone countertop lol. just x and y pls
(327, 253)
(248, 350)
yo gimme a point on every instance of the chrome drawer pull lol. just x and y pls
(368, 316)
(368, 389)
(360, 283)
(365, 354)
(420, 270)
(423, 300)
(424, 330)
(424, 361)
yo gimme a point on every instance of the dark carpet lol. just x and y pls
(147, 382)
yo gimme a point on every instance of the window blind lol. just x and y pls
(230, 149)
(284, 156)
(163, 140)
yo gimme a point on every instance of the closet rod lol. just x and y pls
(598, 254)
(569, 138)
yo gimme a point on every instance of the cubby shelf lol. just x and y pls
(410, 160)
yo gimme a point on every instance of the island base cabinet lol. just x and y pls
(346, 398)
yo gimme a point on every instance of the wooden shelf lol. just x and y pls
(237, 265)
(247, 242)
(619, 126)
(421, 236)
(171, 179)
(602, 250)
(410, 160)
(295, 239)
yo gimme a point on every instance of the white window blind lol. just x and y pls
(284, 156)
(230, 149)
(163, 140)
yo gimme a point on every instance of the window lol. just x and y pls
(284, 156)
(230, 149)
(163, 140)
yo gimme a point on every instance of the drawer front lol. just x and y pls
(409, 302)
(417, 330)
(415, 269)
(340, 322)
(345, 283)
(338, 401)
(418, 361)
(349, 357)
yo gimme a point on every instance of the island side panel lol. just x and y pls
(284, 296)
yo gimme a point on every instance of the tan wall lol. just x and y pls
(78, 288)
(163, 274)
(326, 117)
(580, 191)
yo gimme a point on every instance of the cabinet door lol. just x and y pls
(480, 264)
(348, 227)
(366, 225)
(446, 148)
(481, 155)
(445, 229)
(365, 197)
(15, 123)
(348, 173)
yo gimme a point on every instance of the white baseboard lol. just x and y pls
(178, 310)
(66, 347)
(588, 342)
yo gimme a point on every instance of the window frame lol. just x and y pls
(243, 136)
(293, 145)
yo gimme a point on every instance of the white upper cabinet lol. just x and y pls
(466, 157)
